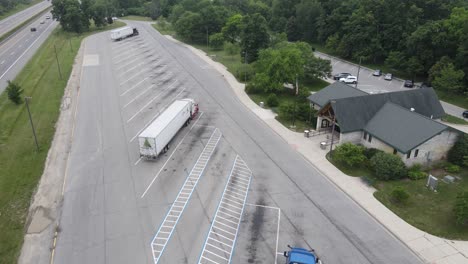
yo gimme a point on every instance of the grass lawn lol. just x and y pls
(454, 120)
(137, 18)
(165, 30)
(429, 211)
(18, 8)
(21, 165)
(460, 100)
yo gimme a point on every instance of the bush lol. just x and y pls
(370, 152)
(14, 92)
(451, 168)
(416, 173)
(388, 167)
(216, 41)
(349, 154)
(231, 49)
(461, 208)
(459, 150)
(399, 195)
(286, 111)
(272, 100)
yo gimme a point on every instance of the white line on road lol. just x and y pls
(3, 61)
(136, 97)
(135, 75)
(138, 161)
(134, 86)
(132, 68)
(168, 159)
(11, 66)
(157, 96)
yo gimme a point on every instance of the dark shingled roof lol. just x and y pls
(335, 90)
(402, 129)
(353, 113)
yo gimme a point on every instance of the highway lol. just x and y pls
(13, 21)
(229, 190)
(372, 84)
(17, 50)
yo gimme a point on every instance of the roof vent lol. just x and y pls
(412, 109)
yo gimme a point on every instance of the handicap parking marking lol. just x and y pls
(221, 239)
(167, 227)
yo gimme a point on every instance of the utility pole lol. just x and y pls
(31, 121)
(296, 92)
(207, 39)
(359, 69)
(333, 128)
(245, 67)
(58, 64)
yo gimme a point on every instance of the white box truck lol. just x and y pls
(156, 137)
(123, 32)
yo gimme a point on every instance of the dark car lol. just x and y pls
(341, 75)
(377, 73)
(33, 29)
(465, 114)
(409, 83)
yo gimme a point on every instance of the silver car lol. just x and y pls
(388, 77)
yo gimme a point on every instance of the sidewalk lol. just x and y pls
(430, 248)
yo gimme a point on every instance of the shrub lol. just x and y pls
(388, 167)
(272, 100)
(349, 154)
(370, 152)
(216, 41)
(461, 208)
(14, 92)
(451, 168)
(286, 110)
(399, 195)
(416, 173)
(459, 150)
(231, 49)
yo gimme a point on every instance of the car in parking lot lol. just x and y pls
(377, 73)
(349, 80)
(388, 77)
(409, 83)
(42, 22)
(33, 29)
(47, 17)
(341, 75)
(465, 114)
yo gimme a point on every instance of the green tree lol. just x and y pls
(98, 14)
(70, 15)
(14, 92)
(436, 69)
(272, 100)
(450, 79)
(154, 9)
(254, 36)
(395, 60)
(459, 150)
(216, 41)
(388, 167)
(461, 208)
(414, 67)
(349, 154)
(307, 15)
(231, 31)
(292, 29)
(189, 27)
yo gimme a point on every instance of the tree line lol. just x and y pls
(7, 5)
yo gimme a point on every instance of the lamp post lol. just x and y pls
(245, 66)
(333, 128)
(295, 102)
(359, 69)
(26, 100)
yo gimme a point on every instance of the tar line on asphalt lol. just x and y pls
(167, 227)
(170, 156)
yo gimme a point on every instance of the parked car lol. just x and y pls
(33, 29)
(409, 83)
(465, 114)
(47, 17)
(42, 22)
(377, 73)
(341, 75)
(349, 80)
(388, 77)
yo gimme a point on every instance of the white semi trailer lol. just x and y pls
(123, 32)
(156, 137)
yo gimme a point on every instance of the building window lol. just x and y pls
(370, 138)
(365, 135)
(416, 152)
(394, 151)
(408, 155)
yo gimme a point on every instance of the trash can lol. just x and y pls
(306, 133)
(323, 145)
(262, 104)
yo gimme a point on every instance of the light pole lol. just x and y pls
(245, 66)
(31, 121)
(295, 103)
(359, 69)
(333, 128)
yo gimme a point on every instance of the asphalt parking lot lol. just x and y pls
(229, 190)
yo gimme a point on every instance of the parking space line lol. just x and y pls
(226, 219)
(132, 68)
(140, 94)
(133, 76)
(127, 63)
(156, 97)
(157, 253)
(134, 86)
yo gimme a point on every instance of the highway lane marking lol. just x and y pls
(34, 42)
(170, 156)
(134, 86)
(147, 104)
(221, 238)
(167, 227)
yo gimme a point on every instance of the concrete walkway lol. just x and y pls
(430, 248)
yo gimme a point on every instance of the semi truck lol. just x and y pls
(155, 139)
(123, 32)
(296, 255)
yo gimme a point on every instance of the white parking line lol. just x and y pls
(128, 62)
(127, 70)
(156, 97)
(134, 86)
(133, 76)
